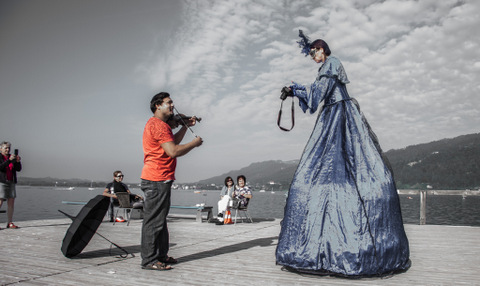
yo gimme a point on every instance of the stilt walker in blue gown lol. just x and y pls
(342, 215)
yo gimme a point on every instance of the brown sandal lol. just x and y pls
(157, 266)
(169, 260)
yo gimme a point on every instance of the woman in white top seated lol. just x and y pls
(226, 195)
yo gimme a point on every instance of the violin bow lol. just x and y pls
(184, 123)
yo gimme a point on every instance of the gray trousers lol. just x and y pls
(155, 238)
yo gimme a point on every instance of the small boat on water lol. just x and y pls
(91, 188)
(63, 188)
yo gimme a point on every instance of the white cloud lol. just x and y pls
(413, 67)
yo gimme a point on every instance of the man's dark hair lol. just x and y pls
(157, 99)
(317, 44)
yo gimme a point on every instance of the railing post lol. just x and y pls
(423, 207)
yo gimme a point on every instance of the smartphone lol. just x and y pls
(15, 152)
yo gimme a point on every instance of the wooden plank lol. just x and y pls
(423, 207)
(241, 254)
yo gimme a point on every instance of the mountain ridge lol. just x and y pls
(450, 163)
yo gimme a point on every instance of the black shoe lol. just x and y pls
(220, 215)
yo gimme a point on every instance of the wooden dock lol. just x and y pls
(241, 254)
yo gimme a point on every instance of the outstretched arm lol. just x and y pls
(310, 98)
(181, 133)
(176, 150)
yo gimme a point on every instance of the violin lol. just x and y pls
(181, 119)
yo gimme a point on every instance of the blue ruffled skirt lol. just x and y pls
(342, 214)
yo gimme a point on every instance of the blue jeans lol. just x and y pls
(155, 238)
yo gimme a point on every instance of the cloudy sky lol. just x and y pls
(76, 77)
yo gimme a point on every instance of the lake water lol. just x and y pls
(43, 202)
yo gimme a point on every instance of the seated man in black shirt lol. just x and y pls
(114, 187)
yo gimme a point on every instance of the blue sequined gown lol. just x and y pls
(342, 214)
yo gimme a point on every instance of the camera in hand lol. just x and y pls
(15, 152)
(286, 92)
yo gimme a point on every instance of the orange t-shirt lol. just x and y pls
(158, 166)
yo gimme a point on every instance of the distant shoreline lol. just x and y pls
(441, 192)
(399, 191)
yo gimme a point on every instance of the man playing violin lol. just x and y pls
(161, 148)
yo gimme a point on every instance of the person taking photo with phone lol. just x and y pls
(9, 166)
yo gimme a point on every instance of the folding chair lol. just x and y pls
(239, 209)
(124, 203)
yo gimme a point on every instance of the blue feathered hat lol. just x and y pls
(304, 43)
